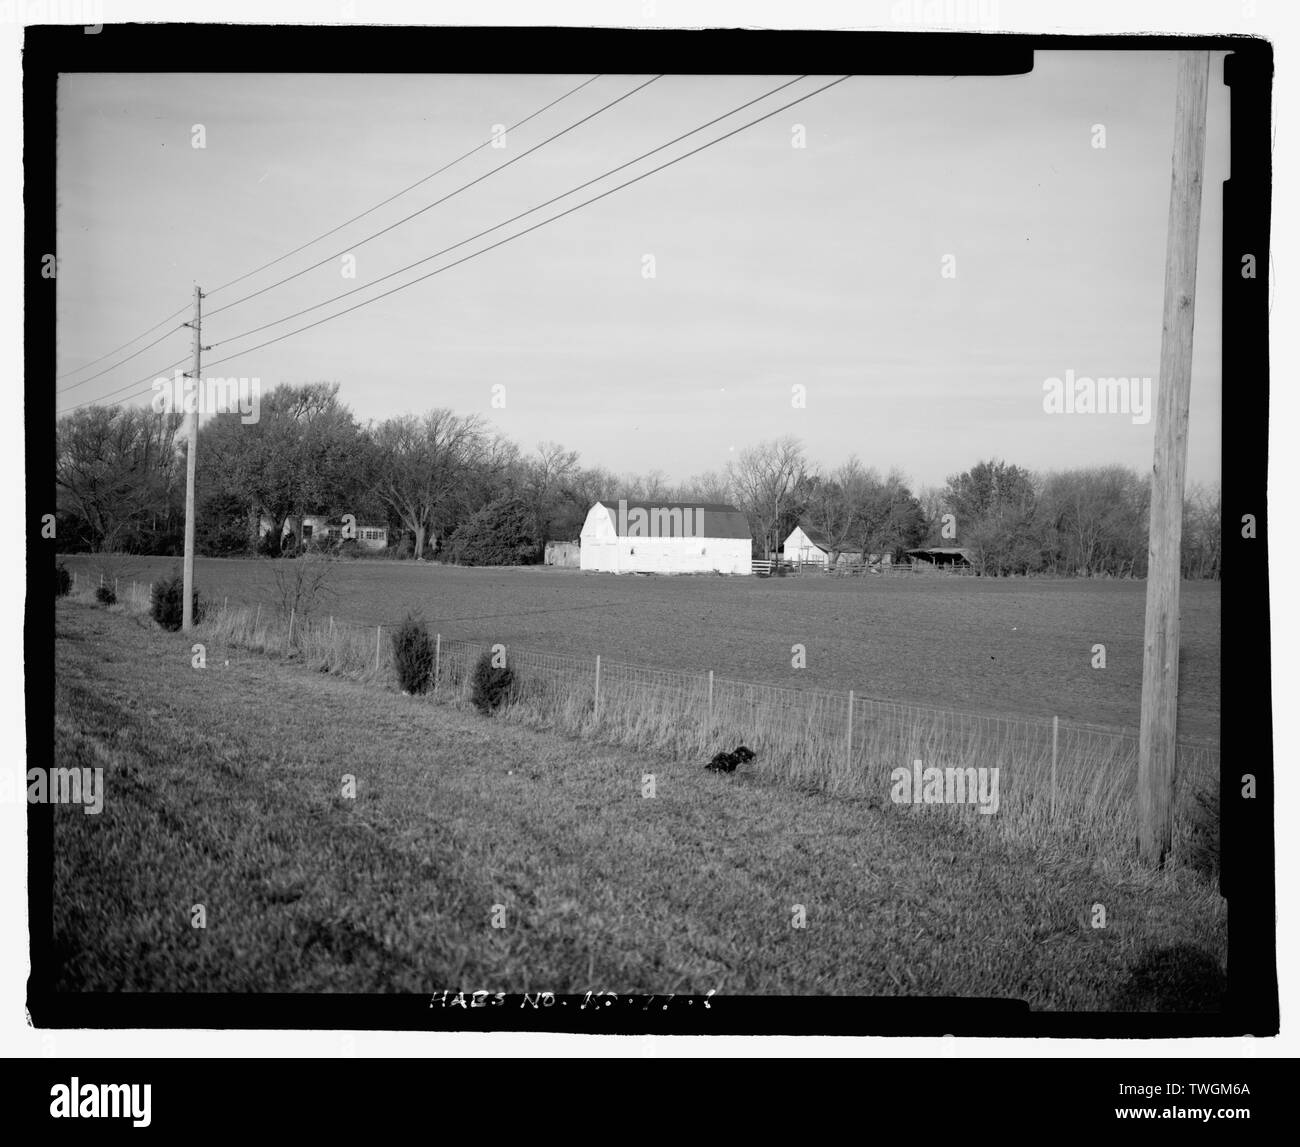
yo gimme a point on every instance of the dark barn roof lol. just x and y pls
(720, 519)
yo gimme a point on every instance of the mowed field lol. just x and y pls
(1020, 647)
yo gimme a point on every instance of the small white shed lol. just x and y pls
(806, 544)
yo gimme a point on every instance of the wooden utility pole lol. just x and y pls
(1155, 801)
(191, 461)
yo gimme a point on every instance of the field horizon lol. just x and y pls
(1012, 647)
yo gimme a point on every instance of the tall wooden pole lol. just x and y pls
(191, 461)
(1155, 801)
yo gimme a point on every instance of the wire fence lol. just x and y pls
(1051, 774)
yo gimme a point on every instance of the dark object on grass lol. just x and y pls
(62, 581)
(727, 762)
(492, 685)
(168, 601)
(105, 596)
(413, 655)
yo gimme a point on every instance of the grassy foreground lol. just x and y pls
(224, 788)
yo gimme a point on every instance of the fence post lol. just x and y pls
(379, 629)
(115, 587)
(848, 759)
(101, 581)
(597, 686)
(225, 605)
(331, 627)
(258, 619)
(437, 661)
(710, 702)
(1056, 721)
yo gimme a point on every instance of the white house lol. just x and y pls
(807, 544)
(665, 537)
(320, 528)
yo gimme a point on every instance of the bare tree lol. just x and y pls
(711, 486)
(764, 479)
(837, 501)
(302, 585)
(423, 464)
(114, 471)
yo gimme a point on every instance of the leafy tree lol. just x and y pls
(503, 533)
(304, 455)
(995, 506)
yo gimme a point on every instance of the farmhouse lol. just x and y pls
(320, 528)
(665, 537)
(807, 544)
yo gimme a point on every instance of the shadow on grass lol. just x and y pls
(1183, 978)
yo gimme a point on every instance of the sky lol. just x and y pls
(774, 266)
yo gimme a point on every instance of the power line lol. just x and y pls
(513, 218)
(527, 230)
(518, 234)
(436, 202)
(166, 335)
(137, 382)
(102, 357)
(304, 246)
(398, 194)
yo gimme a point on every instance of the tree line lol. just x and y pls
(447, 486)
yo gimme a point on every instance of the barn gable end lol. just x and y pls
(665, 537)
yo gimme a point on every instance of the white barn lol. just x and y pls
(665, 537)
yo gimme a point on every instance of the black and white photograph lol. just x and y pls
(638, 527)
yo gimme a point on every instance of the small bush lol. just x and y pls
(413, 655)
(491, 685)
(62, 581)
(105, 595)
(167, 605)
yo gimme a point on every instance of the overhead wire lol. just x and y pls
(513, 218)
(437, 202)
(302, 247)
(410, 187)
(525, 231)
